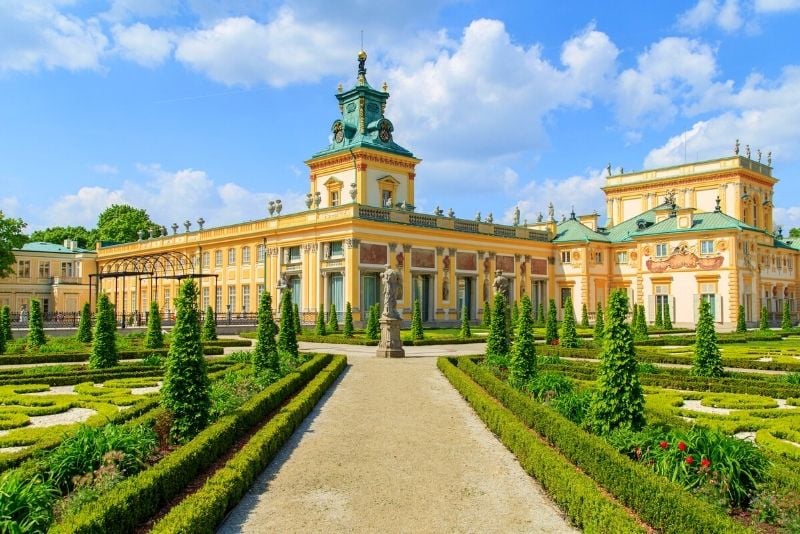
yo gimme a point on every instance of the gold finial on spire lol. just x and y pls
(362, 55)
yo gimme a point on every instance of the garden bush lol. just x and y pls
(26, 503)
(287, 336)
(551, 326)
(209, 325)
(333, 319)
(320, 329)
(265, 356)
(569, 337)
(154, 338)
(348, 321)
(522, 364)
(497, 344)
(417, 332)
(85, 325)
(373, 328)
(36, 337)
(104, 345)
(707, 357)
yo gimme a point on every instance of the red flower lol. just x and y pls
(689, 460)
(663, 444)
(705, 463)
(681, 446)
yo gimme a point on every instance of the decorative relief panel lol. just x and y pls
(538, 267)
(373, 254)
(425, 259)
(505, 264)
(466, 261)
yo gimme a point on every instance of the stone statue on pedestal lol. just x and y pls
(391, 283)
(501, 284)
(390, 345)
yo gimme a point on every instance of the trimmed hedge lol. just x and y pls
(134, 500)
(72, 357)
(228, 343)
(573, 491)
(662, 504)
(203, 510)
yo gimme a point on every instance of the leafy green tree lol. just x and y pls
(154, 339)
(619, 399)
(11, 237)
(707, 357)
(320, 329)
(786, 317)
(121, 223)
(58, 234)
(497, 343)
(741, 324)
(584, 316)
(667, 316)
(763, 322)
(465, 332)
(104, 343)
(599, 324)
(522, 365)
(417, 331)
(209, 332)
(569, 337)
(298, 326)
(794, 232)
(36, 337)
(287, 337)
(514, 317)
(373, 328)
(186, 393)
(541, 319)
(551, 327)
(333, 319)
(265, 354)
(348, 321)
(487, 314)
(5, 323)
(659, 322)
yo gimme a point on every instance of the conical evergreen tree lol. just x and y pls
(786, 317)
(287, 337)
(642, 324)
(373, 328)
(85, 325)
(265, 355)
(619, 399)
(333, 319)
(659, 322)
(154, 339)
(667, 316)
(741, 323)
(104, 345)
(541, 319)
(298, 326)
(5, 323)
(514, 318)
(569, 338)
(209, 325)
(707, 357)
(584, 316)
(320, 328)
(186, 391)
(551, 327)
(599, 324)
(36, 337)
(497, 342)
(763, 323)
(417, 332)
(522, 365)
(487, 314)
(2, 340)
(348, 321)
(466, 331)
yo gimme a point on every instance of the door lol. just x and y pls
(369, 292)
(465, 289)
(336, 293)
(422, 293)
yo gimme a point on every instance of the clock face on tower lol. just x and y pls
(385, 131)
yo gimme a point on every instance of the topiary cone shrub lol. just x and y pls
(642, 323)
(154, 339)
(36, 337)
(741, 325)
(287, 337)
(320, 329)
(514, 318)
(333, 319)
(373, 328)
(667, 316)
(186, 391)
(569, 337)
(599, 324)
(348, 321)
(265, 355)
(551, 326)
(465, 332)
(786, 316)
(487, 314)
(417, 331)
(5, 323)
(298, 326)
(522, 365)
(763, 320)
(659, 322)
(104, 345)
(497, 342)
(541, 319)
(209, 325)
(707, 357)
(584, 316)
(85, 325)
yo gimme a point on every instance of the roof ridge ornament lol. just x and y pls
(362, 69)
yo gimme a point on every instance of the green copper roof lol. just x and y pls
(363, 123)
(623, 231)
(701, 222)
(40, 246)
(573, 230)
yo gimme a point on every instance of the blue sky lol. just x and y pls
(192, 108)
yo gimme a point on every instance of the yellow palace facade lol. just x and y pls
(679, 234)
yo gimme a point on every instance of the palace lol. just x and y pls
(673, 236)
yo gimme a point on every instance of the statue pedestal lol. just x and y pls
(390, 345)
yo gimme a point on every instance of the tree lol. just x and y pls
(5, 323)
(659, 322)
(667, 316)
(569, 337)
(540, 317)
(121, 223)
(373, 329)
(154, 339)
(497, 342)
(466, 331)
(786, 317)
(487, 314)
(333, 319)
(265, 354)
(36, 337)
(514, 318)
(209, 326)
(741, 324)
(11, 237)
(2, 340)
(417, 332)
(522, 366)
(551, 327)
(287, 338)
(58, 234)
(707, 357)
(763, 322)
(619, 399)
(794, 232)
(186, 393)
(599, 324)
(104, 344)
(85, 324)
(584, 316)
(641, 324)
(298, 326)
(320, 329)
(348, 321)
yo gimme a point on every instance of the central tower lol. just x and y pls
(363, 164)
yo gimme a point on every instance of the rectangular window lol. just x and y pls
(206, 259)
(44, 269)
(337, 250)
(386, 198)
(598, 258)
(167, 299)
(218, 258)
(566, 292)
(246, 255)
(218, 299)
(231, 256)
(206, 298)
(24, 269)
(196, 261)
(661, 250)
(746, 248)
(294, 254)
(232, 298)
(246, 298)
(334, 198)
(261, 253)
(707, 246)
(259, 291)
(66, 269)
(566, 256)
(45, 307)
(622, 257)
(133, 300)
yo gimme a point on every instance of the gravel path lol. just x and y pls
(392, 447)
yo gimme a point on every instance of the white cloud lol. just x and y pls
(731, 15)
(787, 217)
(36, 35)
(581, 193)
(9, 206)
(776, 6)
(104, 168)
(125, 9)
(142, 44)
